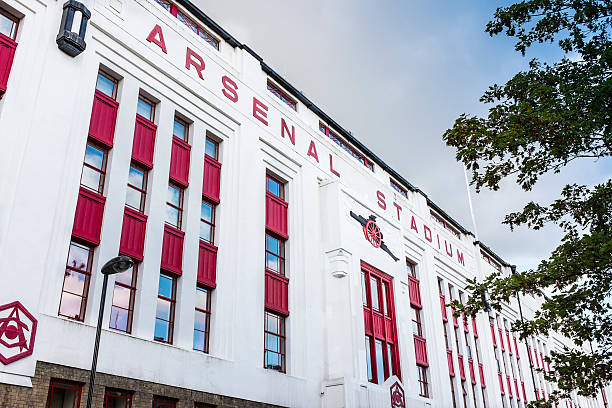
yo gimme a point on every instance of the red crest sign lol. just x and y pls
(17, 332)
(397, 396)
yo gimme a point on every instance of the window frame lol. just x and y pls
(208, 313)
(211, 224)
(422, 380)
(396, 186)
(110, 78)
(158, 400)
(445, 224)
(181, 191)
(282, 338)
(281, 186)
(102, 171)
(65, 385)
(172, 311)
(216, 145)
(282, 95)
(141, 191)
(281, 256)
(14, 27)
(346, 146)
(203, 33)
(185, 125)
(132, 288)
(87, 273)
(128, 397)
(149, 102)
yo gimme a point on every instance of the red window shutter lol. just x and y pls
(501, 382)
(508, 339)
(144, 142)
(172, 250)
(493, 335)
(451, 366)
(103, 118)
(472, 373)
(179, 162)
(443, 307)
(277, 288)
(542, 359)
(133, 234)
(88, 216)
(482, 379)
(465, 324)
(518, 395)
(455, 321)
(367, 320)
(212, 179)
(207, 265)
(7, 53)
(529, 353)
(415, 292)
(276, 215)
(524, 393)
(420, 351)
(501, 339)
(461, 367)
(474, 327)
(518, 356)
(509, 386)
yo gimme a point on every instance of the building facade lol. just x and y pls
(278, 261)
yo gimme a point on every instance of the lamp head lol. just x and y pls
(118, 264)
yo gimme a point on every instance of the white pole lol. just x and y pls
(467, 187)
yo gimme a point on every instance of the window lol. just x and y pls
(122, 310)
(398, 188)
(164, 3)
(211, 149)
(490, 260)
(8, 25)
(201, 329)
(164, 316)
(411, 269)
(163, 402)
(76, 282)
(344, 145)
(117, 399)
(275, 254)
(94, 168)
(174, 206)
(207, 222)
(282, 95)
(107, 85)
(145, 108)
(417, 327)
(64, 394)
(137, 188)
(423, 385)
(442, 222)
(274, 342)
(275, 187)
(181, 129)
(205, 35)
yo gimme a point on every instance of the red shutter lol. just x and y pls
(179, 162)
(493, 335)
(518, 395)
(88, 216)
(501, 382)
(443, 307)
(207, 265)
(509, 385)
(144, 142)
(276, 215)
(542, 359)
(501, 339)
(518, 356)
(103, 118)
(455, 321)
(482, 379)
(420, 351)
(474, 327)
(133, 234)
(172, 250)
(530, 358)
(7, 53)
(471, 367)
(277, 296)
(465, 324)
(451, 367)
(461, 366)
(212, 179)
(415, 292)
(524, 393)
(509, 344)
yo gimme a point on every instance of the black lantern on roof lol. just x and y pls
(68, 41)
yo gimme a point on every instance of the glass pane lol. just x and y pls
(174, 196)
(201, 321)
(273, 245)
(364, 295)
(91, 179)
(390, 358)
(272, 323)
(106, 86)
(387, 299)
(125, 277)
(78, 257)
(119, 319)
(74, 282)
(180, 130)
(380, 367)
(383, 304)
(368, 358)
(206, 212)
(163, 309)
(374, 293)
(6, 26)
(273, 186)
(121, 296)
(273, 360)
(201, 298)
(205, 231)
(117, 402)
(199, 339)
(210, 149)
(63, 398)
(172, 216)
(70, 305)
(145, 109)
(94, 157)
(272, 343)
(136, 178)
(273, 263)
(133, 198)
(165, 286)
(161, 330)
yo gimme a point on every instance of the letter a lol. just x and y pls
(157, 31)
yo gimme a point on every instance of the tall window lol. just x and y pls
(137, 188)
(76, 282)
(124, 293)
(211, 148)
(94, 168)
(146, 108)
(423, 384)
(163, 402)
(275, 254)
(8, 24)
(274, 342)
(117, 398)
(417, 327)
(181, 129)
(274, 186)
(174, 206)
(166, 303)
(207, 222)
(107, 85)
(201, 329)
(64, 394)
(282, 95)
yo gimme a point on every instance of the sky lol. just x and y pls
(397, 74)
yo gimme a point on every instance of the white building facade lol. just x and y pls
(278, 262)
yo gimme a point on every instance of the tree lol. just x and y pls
(538, 122)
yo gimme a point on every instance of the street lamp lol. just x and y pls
(118, 264)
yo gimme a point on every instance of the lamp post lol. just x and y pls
(116, 265)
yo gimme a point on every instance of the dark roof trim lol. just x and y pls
(209, 22)
(493, 254)
(447, 217)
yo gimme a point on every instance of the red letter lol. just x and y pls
(460, 257)
(398, 210)
(381, 200)
(260, 111)
(331, 166)
(425, 231)
(159, 42)
(312, 151)
(438, 235)
(413, 225)
(451, 249)
(230, 89)
(284, 128)
(199, 65)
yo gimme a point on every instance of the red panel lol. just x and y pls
(518, 395)
(133, 234)
(509, 385)
(88, 216)
(542, 359)
(501, 339)
(103, 118)
(415, 292)
(207, 265)
(518, 356)
(379, 325)
(524, 393)
(144, 142)
(493, 335)
(212, 179)
(472, 373)
(7, 53)
(389, 335)
(451, 367)
(474, 327)
(420, 351)
(465, 324)
(443, 307)
(482, 379)
(277, 293)
(501, 382)
(276, 215)
(461, 367)
(455, 321)
(367, 319)
(509, 344)
(172, 250)
(179, 162)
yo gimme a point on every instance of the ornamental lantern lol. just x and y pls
(68, 41)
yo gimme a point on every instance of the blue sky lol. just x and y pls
(397, 74)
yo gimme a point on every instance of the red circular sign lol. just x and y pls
(372, 233)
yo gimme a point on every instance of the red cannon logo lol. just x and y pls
(372, 233)
(397, 396)
(17, 332)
